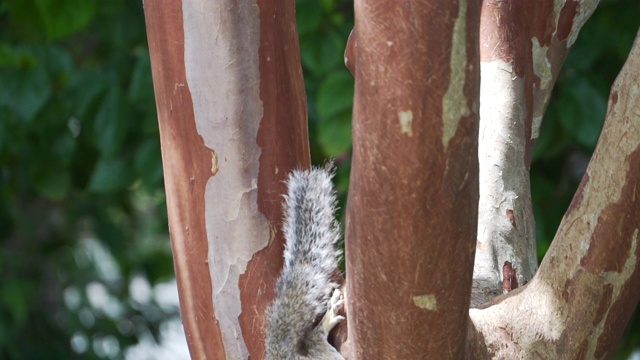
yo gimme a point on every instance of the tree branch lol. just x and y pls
(522, 48)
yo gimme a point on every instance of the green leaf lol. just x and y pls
(542, 189)
(14, 57)
(86, 87)
(342, 178)
(334, 102)
(56, 60)
(141, 85)
(322, 52)
(552, 139)
(581, 111)
(147, 163)
(328, 5)
(335, 94)
(110, 126)
(64, 17)
(55, 18)
(334, 134)
(110, 175)
(54, 185)
(24, 90)
(307, 16)
(15, 301)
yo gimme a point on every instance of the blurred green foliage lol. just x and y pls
(323, 29)
(82, 207)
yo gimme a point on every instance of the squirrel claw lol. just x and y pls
(331, 318)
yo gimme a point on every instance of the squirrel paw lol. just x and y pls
(332, 318)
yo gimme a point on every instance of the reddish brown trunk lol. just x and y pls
(183, 157)
(187, 159)
(411, 216)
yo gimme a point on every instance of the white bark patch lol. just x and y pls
(427, 302)
(224, 83)
(406, 120)
(454, 103)
(542, 69)
(541, 64)
(585, 9)
(544, 322)
(536, 122)
(557, 7)
(504, 182)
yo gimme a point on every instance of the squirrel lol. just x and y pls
(305, 289)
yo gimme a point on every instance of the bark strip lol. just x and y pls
(183, 157)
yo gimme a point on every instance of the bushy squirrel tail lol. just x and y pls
(310, 258)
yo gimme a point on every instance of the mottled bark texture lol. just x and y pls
(523, 45)
(232, 115)
(232, 118)
(412, 207)
(586, 289)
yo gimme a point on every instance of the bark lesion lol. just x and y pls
(509, 277)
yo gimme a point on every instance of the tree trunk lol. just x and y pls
(412, 207)
(232, 114)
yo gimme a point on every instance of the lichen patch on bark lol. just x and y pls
(427, 302)
(454, 102)
(406, 121)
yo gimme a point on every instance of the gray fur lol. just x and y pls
(304, 289)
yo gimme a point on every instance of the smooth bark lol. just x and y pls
(232, 118)
(412, 207)
(232, 115)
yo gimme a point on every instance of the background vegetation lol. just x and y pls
(85, 262)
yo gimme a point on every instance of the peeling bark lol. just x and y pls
(522, 47)
(586, 289)
(232, 116)
(413, 191)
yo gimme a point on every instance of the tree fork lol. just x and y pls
(523, 45)
(586, 289)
